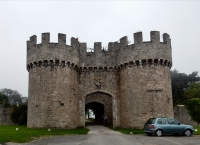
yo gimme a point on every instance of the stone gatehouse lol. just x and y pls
(126, 83)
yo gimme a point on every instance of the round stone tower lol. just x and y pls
(145, 82)
(52, 100)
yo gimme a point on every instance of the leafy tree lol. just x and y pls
(88, 113)
(180, 83)
(24, 99)
(18, 104)
(193, 91)
(4, 100)
(19, 114)
(14, 96)
(193, 107)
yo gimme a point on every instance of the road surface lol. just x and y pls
(100, 135)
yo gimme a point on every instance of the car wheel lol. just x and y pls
(149, 133)
(159, 132)
(188, 132)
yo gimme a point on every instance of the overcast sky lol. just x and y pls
(99, 21)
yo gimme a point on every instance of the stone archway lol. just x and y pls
(102, 106)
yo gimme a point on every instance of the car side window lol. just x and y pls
(151, 121)
(161, 121)
(172, 121)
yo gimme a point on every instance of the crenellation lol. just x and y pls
(62, 39)
(113, 47)
(139, 50)
(74, 43)
(155, 36)
(138, 38)
(28, 45)
(33, 40)
(123, 41)
(83, 49)
(97, 48)
(166, 39)
(45, 38)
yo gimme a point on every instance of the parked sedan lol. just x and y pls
(160, 126)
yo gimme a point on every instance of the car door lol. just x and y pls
(162, 124)
(174, 126)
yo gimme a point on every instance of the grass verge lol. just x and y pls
(24, 134)
(198, 130)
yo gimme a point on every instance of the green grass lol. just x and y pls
(198, 130)
(91, 119)
(128, 131)
(24, 134)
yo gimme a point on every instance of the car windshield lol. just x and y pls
(151, 121)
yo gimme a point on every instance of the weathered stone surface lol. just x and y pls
(131, 81)
(182, 115)
(5, 116)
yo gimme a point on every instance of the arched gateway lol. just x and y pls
(126, 83)
(101, 104)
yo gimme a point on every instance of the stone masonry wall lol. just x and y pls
(148, 96)
(98, 58)
(181, 114)
(52, 97)
(88, 80)
(5, 116)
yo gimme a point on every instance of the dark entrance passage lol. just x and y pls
(101, 105)
(98, 110)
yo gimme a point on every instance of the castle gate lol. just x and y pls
(128, 83)
(101, 104)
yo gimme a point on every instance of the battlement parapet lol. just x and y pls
(143, 50)
(120, 52)
(154, 37)
(116, 54)
(52, 51)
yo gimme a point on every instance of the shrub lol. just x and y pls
(19, 114)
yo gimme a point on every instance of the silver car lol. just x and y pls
(163, 125)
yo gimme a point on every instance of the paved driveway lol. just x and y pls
(100, 135)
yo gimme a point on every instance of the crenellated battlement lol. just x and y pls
(124, 53)
(118, 52)
(154, 37)
(46, 39)
(52, 51)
